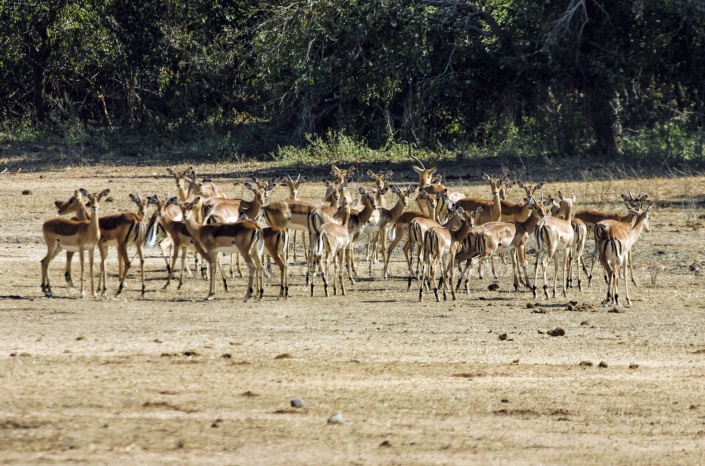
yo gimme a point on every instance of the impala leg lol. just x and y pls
(183, 264)
(83, 294)
(389, 250)
(67, 274)
(91, 255)
(141, 256)
(123, 260)
(52, 250)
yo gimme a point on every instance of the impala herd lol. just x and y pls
(447, 231)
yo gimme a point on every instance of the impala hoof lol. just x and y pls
(210, 298)
(83, 295)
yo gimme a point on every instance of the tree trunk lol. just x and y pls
(602, 119)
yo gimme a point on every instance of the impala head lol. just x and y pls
(503, 189)
(94, 198)
(495, 183)
(141, 203)
(425, 174)
(472, 216)
(195, 189)
(381, 178)
(260, 192)
(538, 206)
(292, 184)
(553, 206)
(179, 176)
(530, 190)
(634, 202)
(190, 207)
(367, 197)
(403, 195)
(437, 178)
(74, 204)
(342, 175)
(425, 197)
(643, 216)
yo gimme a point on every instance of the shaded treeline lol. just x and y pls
(564, 77)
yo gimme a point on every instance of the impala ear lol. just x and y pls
(417, 169)
(388, 174)
(479, 210)
(170, 171)
(249, 186)
(362, 190)
(327, 183)
(270, 186)
(538, 186)
(412, 188)
(83, 192)
(134, 199)
(105, 192)
(303, 179)
(370, 173)
(486, 177)
(384, 190)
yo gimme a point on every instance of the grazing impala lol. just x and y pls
(74, 236)
(614, 240)
(244, 237)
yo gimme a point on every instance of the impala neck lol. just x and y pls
(397, 210)
(530, 223)
(496, 207)
(367, 211)
(253, 210)
(638, 227)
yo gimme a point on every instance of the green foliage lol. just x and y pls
(326, 79)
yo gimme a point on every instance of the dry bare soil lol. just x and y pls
(172, 379)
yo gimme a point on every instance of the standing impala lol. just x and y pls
(244, 237)
(557, 235)
(401, 229)
(74, 236)
(614, 240)
(379, 224)
(334, 238)
(293, 186)
(592, 217)
(440, 241)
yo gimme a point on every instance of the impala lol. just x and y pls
(492, 210)
(401, 229)
(341, 176)
(292, 215)
(417, 230)
(293, 186)
(614, 240)
(276, 242)
(244, 237)
(334, 238)
(499, 238)
(384, 218)
(440, 241)
(182, 241)
(564, 209)
(74, 236)
(591, 217)
(557, 235)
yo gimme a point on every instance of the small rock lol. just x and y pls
(614, 310)
(602, 364)
(556, 332)
(503, 337)
(504, 400)
(585, 363)
(633, 365)
(337, 418)
(26, 192)
(385, 444)
(493, 287)
(297, 403)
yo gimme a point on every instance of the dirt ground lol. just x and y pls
(172, 379)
